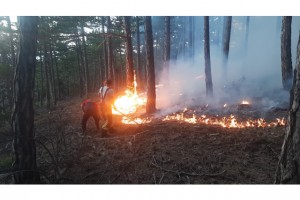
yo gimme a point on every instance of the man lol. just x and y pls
(106, 94)
(89, 109)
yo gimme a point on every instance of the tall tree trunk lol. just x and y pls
(42, 80)
(288, 169)
(167, 48)
(46, 64)
(110, 51)
(129, 57)
(286, 55)
(122, 82)
(105, 61)
(191, 38)
(57, 76)
(24, 166)
(139, 65)
(52, 78)
(226, 43)
(246, 35)
(83, 91)
(208, 79)
(85, 62)
(151, 94)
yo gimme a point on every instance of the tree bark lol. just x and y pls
(110, 51)
(24, 166)
(105, 61)
(191, 38)
(167, 48)
(288, 169)
(85, 62)
(246, 35)
(48, 90)
(139, 65)
(208, 79)
(151, 94)
(129, 57)
(226, 43)
(286, 55)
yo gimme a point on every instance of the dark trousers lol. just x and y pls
(85, 118)
(90, 110)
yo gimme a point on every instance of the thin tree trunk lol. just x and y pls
(42, 80)
(52, 78)
(167, 48)
(139, 65)
(226, 43)
(191, 31)
(57, 76)
(288, 169)
(83, 92)
(85, 63)
(151, 94)
(105, 60)
(247, 35)
(286, 55)
(46, 64)
(121, 69)
(208, 79)
(24, 166)
(129, 57)
(110, 51)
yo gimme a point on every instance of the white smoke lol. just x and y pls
(254, 75)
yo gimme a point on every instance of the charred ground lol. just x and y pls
(160, 152)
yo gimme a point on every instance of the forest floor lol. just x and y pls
(159, 152)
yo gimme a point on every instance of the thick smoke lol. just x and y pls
(254, 73)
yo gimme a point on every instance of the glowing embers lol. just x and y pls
(127, 120)
(225, 122)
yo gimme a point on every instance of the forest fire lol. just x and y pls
(128, 103)
(225, 122)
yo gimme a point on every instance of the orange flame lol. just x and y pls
(129, 102)
(225, 122)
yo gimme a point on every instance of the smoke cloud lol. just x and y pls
(254, 73)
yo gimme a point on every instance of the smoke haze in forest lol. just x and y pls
(253, 73)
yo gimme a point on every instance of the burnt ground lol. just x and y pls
(160, 152)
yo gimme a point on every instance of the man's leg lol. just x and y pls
(84, 120)
(96, 119)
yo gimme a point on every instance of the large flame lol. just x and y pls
(129, 102)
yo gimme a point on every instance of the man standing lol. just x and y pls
(106, 94)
